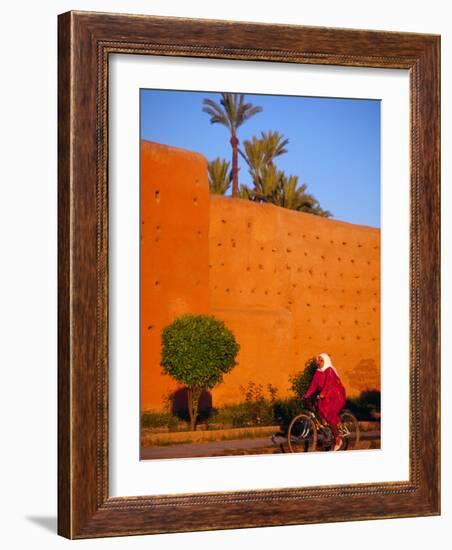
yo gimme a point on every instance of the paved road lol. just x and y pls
(232, 447)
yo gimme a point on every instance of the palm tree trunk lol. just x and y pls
(235, 165)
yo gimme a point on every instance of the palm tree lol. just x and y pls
(294, 197)
(267, 187)
(274, 145)
(219, 176)
(260, 152)
(289, 196)
(245, 192)
(232, 112)
(254, 156)
(270, 184)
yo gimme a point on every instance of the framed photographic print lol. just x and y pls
(248, 275)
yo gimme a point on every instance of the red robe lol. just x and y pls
(332, 394)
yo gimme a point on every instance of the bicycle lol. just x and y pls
(308, 431)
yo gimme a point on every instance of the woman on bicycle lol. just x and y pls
(330, 393)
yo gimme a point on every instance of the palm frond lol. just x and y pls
(220, 176)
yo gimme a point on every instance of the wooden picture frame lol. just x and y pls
(85, 42)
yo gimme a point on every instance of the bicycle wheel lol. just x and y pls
(302, 434)
(349, 430)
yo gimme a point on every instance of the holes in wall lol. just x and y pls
(157, 195)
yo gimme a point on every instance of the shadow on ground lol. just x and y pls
(49, 523)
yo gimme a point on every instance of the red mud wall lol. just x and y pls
(174, 252)
(293, 285)
(290, 285)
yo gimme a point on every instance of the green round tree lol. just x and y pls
(197, 350)
(301, 381)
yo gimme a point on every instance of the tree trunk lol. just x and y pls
(235, 165)
(190, 409)
(193, 395)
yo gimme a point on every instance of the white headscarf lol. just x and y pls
(326, 363)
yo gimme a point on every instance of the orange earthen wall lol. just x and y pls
(174, 252)
(290, 285)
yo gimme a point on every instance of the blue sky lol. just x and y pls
(334, 144)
